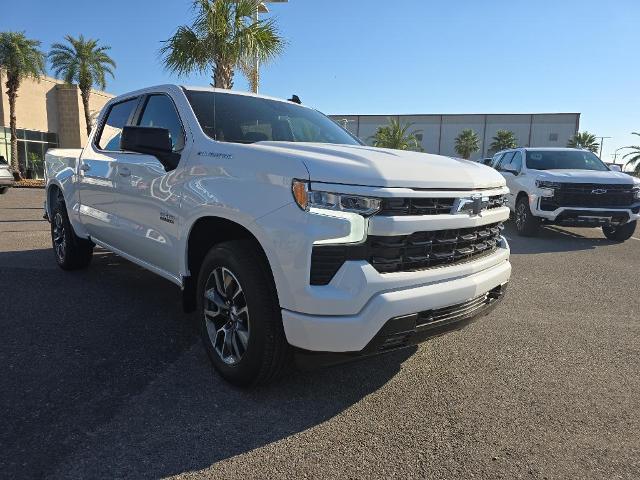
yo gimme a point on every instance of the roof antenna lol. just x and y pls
(295, 99)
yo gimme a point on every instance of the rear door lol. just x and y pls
(147, 195)
(98, 174)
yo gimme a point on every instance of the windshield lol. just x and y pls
(245, 119)
(564, 159)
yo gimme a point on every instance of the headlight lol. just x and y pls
(310, 199)
(548, 188)
(547, 184)
(636, 193)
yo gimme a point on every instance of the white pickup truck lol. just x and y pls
(290, 238)
(570, 187)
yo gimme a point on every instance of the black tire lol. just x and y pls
(71, 251)
(620, 233)
(526, 224)
(257, 352)
(3, 190)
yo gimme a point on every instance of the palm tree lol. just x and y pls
(222, 37)
(585, 141)
(21, 58)
(84, 62)
(504, 139)
(396, 135)
(467, 143)
(635, 156)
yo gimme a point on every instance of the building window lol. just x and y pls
(32, 146)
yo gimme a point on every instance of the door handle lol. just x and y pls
(124, 172)
(85, 167)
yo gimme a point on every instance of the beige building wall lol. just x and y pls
(50, 105)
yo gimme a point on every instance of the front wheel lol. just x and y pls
(620, 233)
(240, 318)
(3, 190)
(526, 224)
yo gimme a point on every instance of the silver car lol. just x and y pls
(6, 176)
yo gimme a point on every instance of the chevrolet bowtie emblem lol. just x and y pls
(472, 205)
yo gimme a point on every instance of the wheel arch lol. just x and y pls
(206, 232)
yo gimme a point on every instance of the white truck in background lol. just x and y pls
(285, 233)
(569, 187)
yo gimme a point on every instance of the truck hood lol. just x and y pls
(381, 167)
(584, 176)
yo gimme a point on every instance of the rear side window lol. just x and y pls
(160, 112)
(116, 119)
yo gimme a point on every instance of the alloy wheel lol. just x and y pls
(521, 216)
(59, 240)
(226, 315)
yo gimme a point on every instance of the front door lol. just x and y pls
(98, 175)
(148, 198)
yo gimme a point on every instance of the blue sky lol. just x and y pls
(407, 56)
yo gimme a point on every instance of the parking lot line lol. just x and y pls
(636, 238)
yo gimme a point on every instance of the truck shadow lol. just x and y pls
(106, 377)
(552, 239)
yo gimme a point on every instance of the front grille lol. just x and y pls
(404, 253)
(426, 206)
(581, 195)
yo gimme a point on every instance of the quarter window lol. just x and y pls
(116, 119)
(160, 112)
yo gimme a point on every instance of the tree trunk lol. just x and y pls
(85, 93)
(12, 92)
(223, 75)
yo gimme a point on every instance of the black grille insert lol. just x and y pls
(392, 207)
(594, 195)
(403, 253)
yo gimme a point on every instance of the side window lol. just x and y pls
(496, 160)
(506, 159)
(516, 162)
(116, 119)
(160, 112)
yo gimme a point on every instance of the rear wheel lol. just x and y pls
(240, 319)
(620, 233)
(526, 224)
(71, 251)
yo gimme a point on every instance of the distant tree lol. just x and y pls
(467, 143)
(504, 139)
(85, 63)
(585, 141)
(20, 57)
(397, 136)
(634, 155)
(223, 37)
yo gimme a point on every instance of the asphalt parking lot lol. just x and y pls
(104, 377)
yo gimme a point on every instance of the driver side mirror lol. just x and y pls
(510, 170)
(150, 141)
(615, 168)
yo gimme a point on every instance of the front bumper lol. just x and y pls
(585, 216)
(6, 181)
(354, 333)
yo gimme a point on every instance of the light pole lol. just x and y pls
(255, 71)
(601, 145)
(615, 154)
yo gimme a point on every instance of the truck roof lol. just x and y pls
(173, 86)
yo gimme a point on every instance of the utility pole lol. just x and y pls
(601, 145)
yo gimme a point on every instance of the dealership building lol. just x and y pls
(49, 114)
(437, 133)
